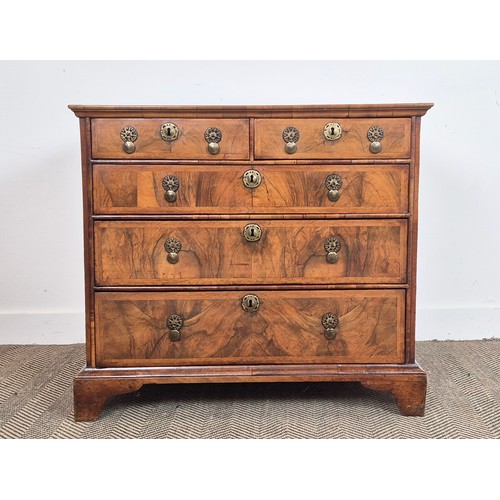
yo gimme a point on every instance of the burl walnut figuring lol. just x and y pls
(250, 244)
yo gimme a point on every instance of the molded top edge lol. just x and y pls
(292, 111)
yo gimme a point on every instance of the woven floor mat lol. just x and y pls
(463, 401)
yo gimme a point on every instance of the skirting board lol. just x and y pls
(458, 324)
(52, 328)
(432, 324)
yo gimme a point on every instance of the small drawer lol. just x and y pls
(259, 189)
(170, 138)
(254, 327)
(244, 252)
(350, 138)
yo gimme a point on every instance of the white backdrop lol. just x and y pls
(41, 258)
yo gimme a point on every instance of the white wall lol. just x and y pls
(41, 259)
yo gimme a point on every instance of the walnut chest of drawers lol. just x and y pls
(250, 244)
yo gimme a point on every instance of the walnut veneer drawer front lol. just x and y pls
(238, 252)
(205, 189)
(169, 138)
(155, 329)
(350, 138)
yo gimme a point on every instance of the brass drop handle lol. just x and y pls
(375, 135)
(291, 136)
(128, 135)
(174, 325)
(170, 184)
(173, 247)
(213, 136)
(250, 303)
(333, 183)
(330, 322)
(332, 247)
(252, 232)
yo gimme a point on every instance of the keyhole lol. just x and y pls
(250, 303)
(168, 131)
(251, 177)
(252, 231)
(331, 133)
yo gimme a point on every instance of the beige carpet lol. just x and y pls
(463, 401)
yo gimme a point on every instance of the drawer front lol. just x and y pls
(217, 252)
(123, 189)
(108, 142)
(352, 144)
(137, 329)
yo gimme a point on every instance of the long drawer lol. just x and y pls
(162, 329)
(206, 189)
(279, 252)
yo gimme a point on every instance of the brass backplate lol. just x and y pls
(175, 322)
(291, 134)
(170, 183)
(375, 133)
(173, 245)
(332, 244)
(333, 182)
(213, 135)
(330, 320)
(129, 134)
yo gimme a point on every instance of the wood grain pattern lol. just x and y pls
(269, 142)
(205, 189)
(131, 328)
(191, 143)
(132, 253)
(138, 189)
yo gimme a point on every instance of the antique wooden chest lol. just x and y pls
(250, 244)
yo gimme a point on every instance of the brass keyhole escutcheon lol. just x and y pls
(252, 178)
(250, 303)
(252, 232)
(169, 132)
(332, 131)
